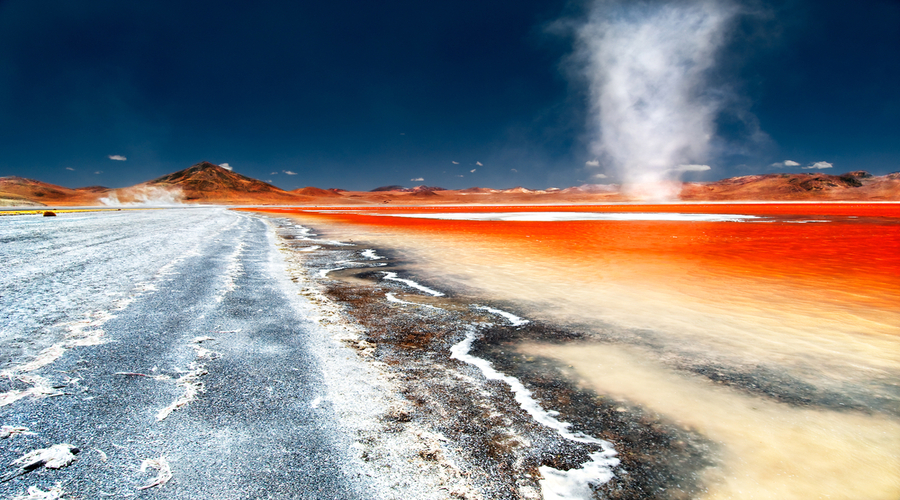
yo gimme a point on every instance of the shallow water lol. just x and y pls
(776, 338)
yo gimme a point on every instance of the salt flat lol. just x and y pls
(168, 335)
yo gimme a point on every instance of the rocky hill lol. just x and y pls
(852, 186)
(19, 191)
(212, 184)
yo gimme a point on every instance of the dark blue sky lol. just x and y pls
(361, 94)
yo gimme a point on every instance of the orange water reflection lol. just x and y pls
(845, 261)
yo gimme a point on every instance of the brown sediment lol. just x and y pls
(662, 459)
(768, 449)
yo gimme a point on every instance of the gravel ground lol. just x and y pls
(177, 336)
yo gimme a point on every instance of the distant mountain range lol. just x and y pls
(207, 183)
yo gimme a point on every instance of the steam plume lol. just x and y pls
(647, 64)
(143, 195)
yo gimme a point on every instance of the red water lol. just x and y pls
(856, 258)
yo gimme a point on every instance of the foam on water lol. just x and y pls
(393, 277)
(574, 484)
(323, 273)
(392, 298)
(370, 254)
(556, 484)
(513, 319)
(576, 216)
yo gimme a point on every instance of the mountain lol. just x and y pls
(314, 191)
(392, 187)
(19, 191)
(401, 189)
(210, 183)
(852, 186)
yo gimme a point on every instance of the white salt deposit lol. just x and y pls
(190, 385)
(370, 254)
(393, 277)
(513, 319)
(391, 298)
(576, 216)
(160, 464)
(8, 431)
(323, 273)
(54, 457)
(35, 493)
(556, 484)
(574, 484)
(232, 271)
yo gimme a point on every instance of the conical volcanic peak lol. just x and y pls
(209, 183)
(206, 177)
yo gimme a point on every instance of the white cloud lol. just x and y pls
(117, 157)
(418, 179)
(269, 181)
(460, 175)
(785, 163)
(226, 166)
(479, 163)
(98, 172)
(599, 176)
(592, 163)
(288, 172)
(819, 165)
(273, 173)
(454, 162)
(473, 170)
(689, 168)
(70, 168)
(513, 170)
